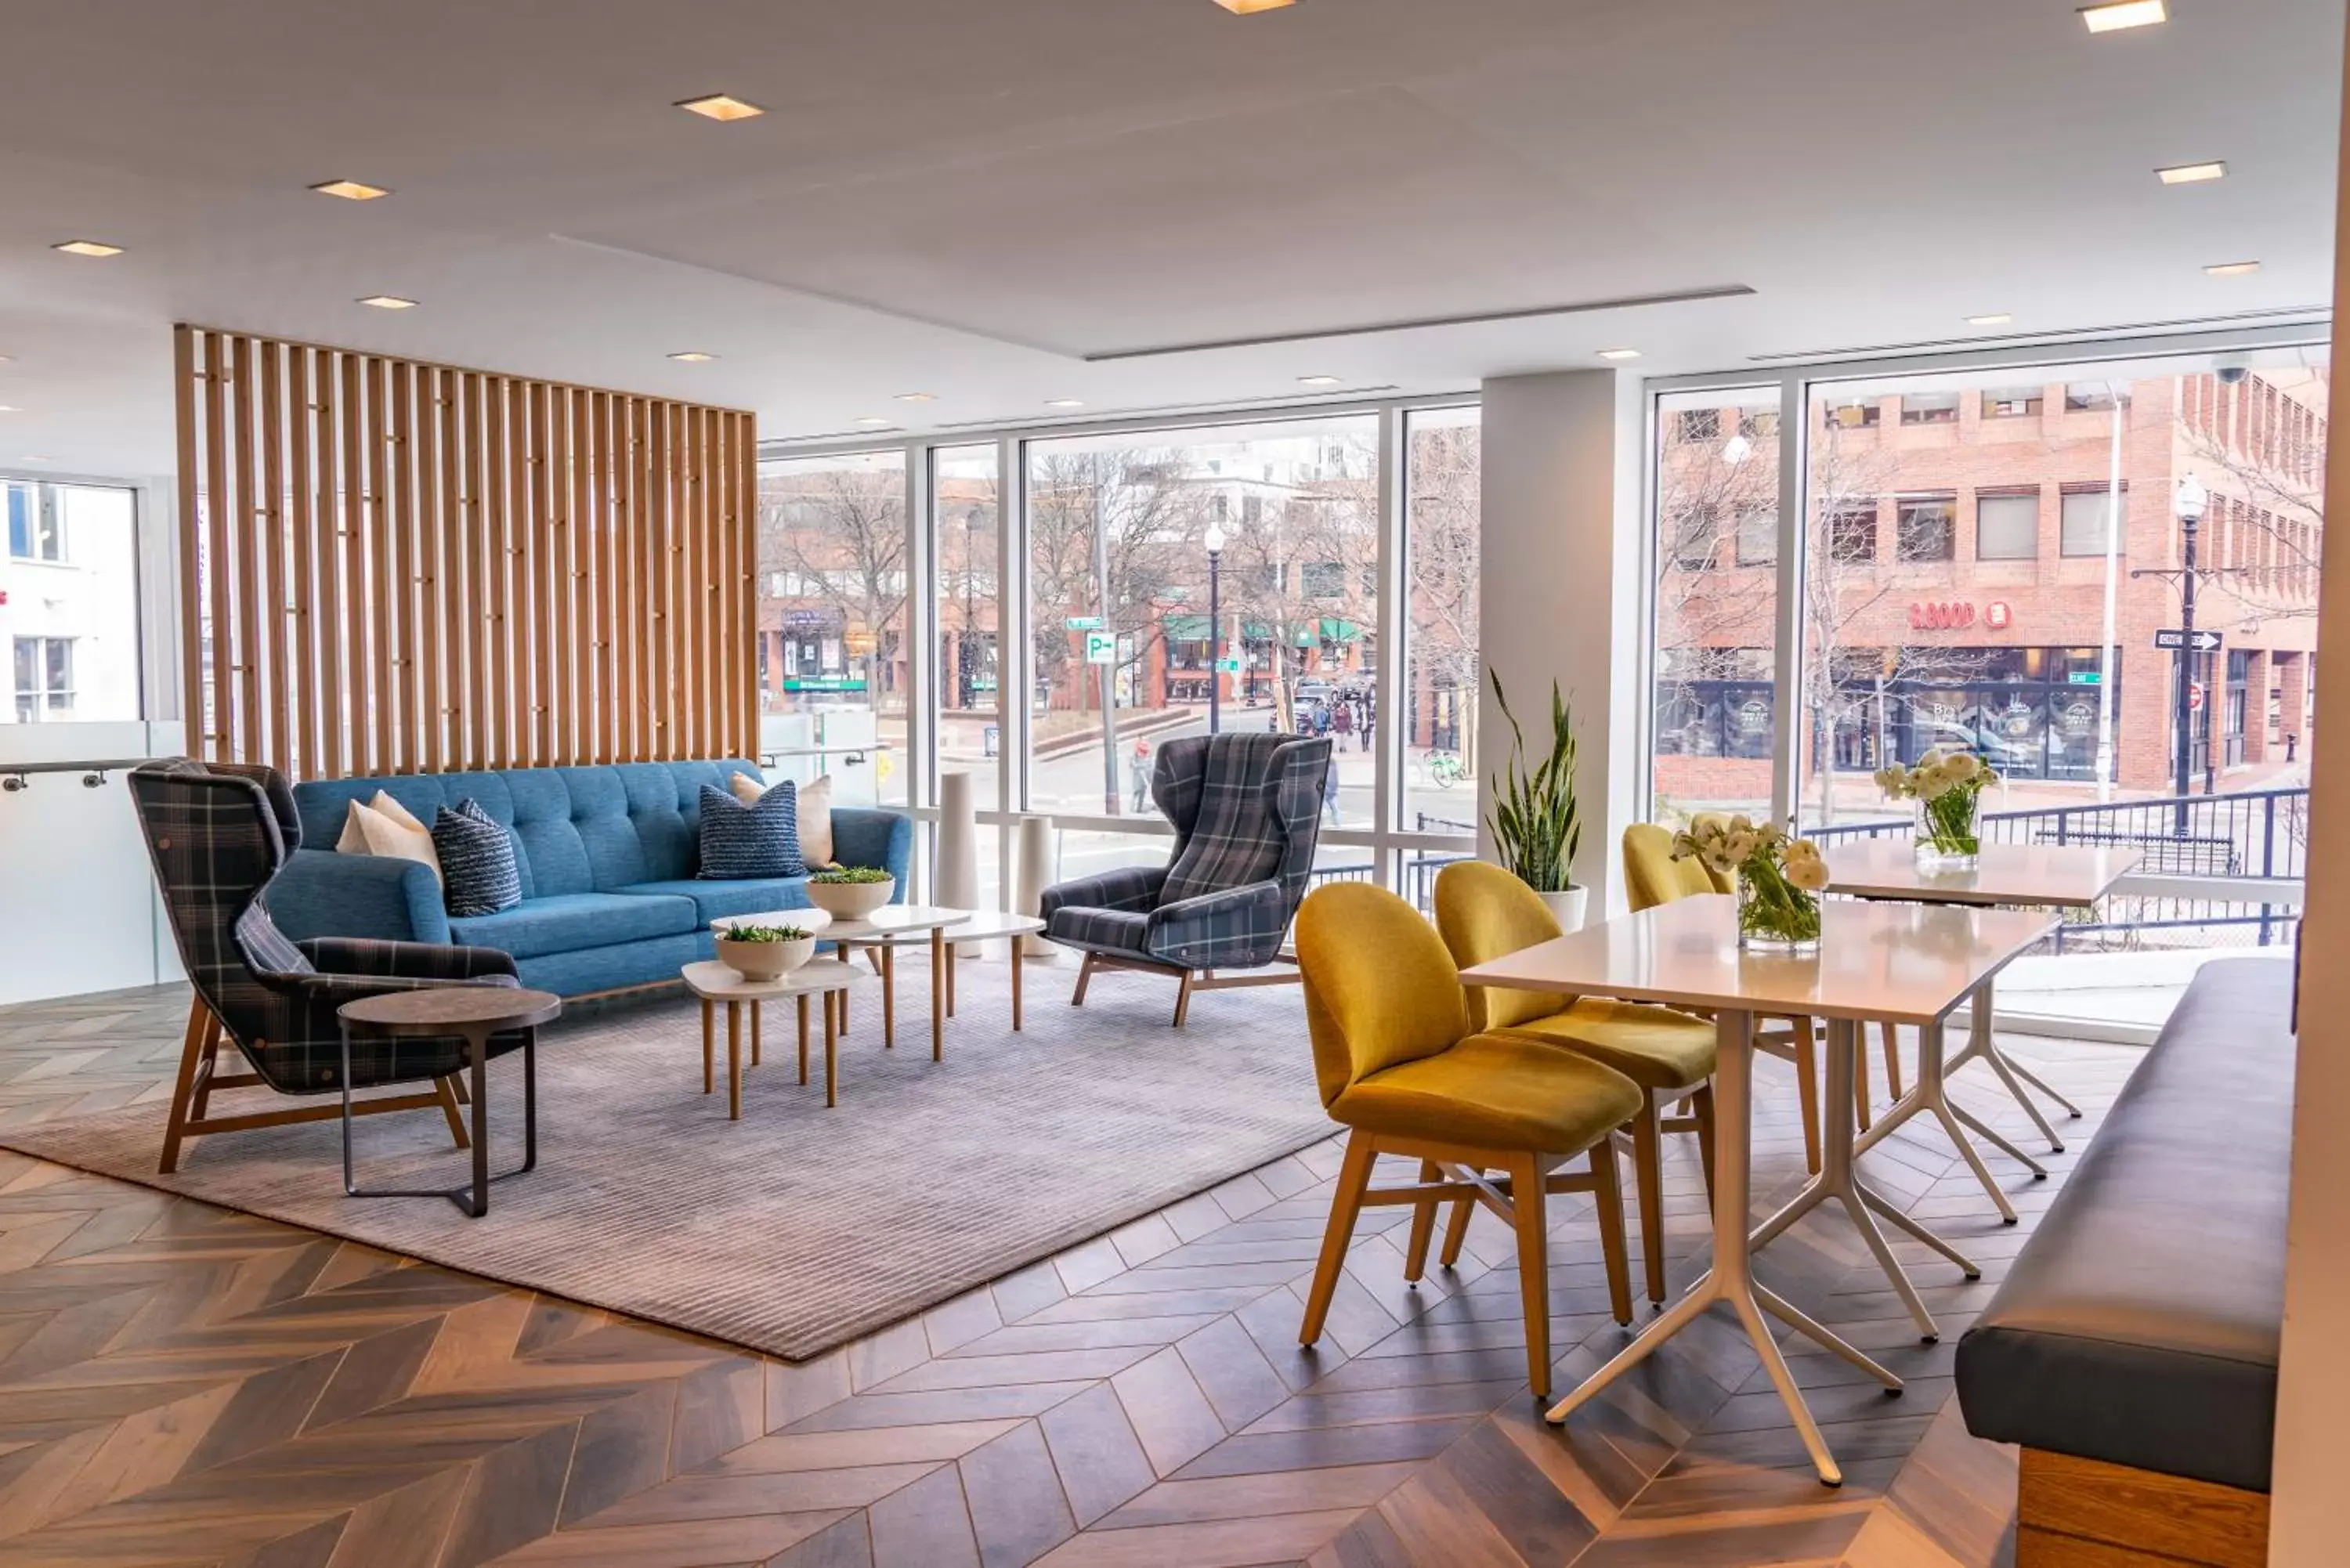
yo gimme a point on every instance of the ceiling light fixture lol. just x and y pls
(873, 423)
(2233, 269)
(387, 302)
(86, 248)
(1251, 7)
(2192, 173)
(693, 357)
(2118, 15)
(1320, 381)
(918, 397)
(721, 106)
(350, 189)
(10, 409)
(1995, 319)
(1065, 403)
(1619, 353)
(37, 457)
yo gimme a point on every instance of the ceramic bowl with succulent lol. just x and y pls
(851, 892)
(764, 952)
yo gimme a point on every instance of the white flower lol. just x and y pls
(1809, 875)
(1892, 781)
(1801, 849)
(1933, 784)
(1961, 767)
(1740, 847)
(1739, 823)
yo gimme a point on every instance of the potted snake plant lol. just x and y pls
(1535, 827)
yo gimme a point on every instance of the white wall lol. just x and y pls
(2311, 1517)
(1561, 595)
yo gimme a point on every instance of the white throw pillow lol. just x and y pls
(384, 826)
(815, 814)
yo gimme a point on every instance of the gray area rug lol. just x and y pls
(797, 1227)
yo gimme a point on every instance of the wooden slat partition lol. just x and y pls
(392, 566)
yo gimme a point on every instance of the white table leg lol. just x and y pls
(1981, 1045)
(1840, 1179)
(1731, 1278)
(1927, 1095)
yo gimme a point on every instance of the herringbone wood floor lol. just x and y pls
(184, 1385)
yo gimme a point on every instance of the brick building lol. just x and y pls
(1957, 581)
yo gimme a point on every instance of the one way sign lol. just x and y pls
(2174, 639)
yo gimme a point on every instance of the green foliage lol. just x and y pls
(764, 934)
(851, 876)
(1535, 823)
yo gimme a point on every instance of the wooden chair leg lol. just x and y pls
(446, 1089)
(709, 1049)
(1701, 1107)
(194, 1058)
(1608, 1197)
(1423, 1226)
(1807, 1093)
(804, 1035)
(1649, 1183)
(1456, 1233)
(1183, 1000)
(1346, 1205)
(1533, 1216)
(200, 1103)
(1085, 978)
(1892, 1059)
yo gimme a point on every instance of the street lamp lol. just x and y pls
(2188, 504)
(1216, 542)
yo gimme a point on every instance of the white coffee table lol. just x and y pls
(715, 983)
(984, 926)
(891, 927)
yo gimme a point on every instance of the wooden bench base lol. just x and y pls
(2085, 1513)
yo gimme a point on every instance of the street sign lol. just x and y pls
(2195, 696)
(2175, 639)
(2086, 678)
(1229, 666)
(1085, 623)
(1101, 648)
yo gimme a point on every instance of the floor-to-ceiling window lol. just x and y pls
(69, 603)
(968, 583)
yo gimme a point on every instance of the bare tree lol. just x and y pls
(839, 538)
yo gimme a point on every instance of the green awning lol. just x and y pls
(1336, 630)
(1187, 629)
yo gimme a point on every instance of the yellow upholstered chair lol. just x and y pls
(1484, 913)
(1396, 1062)
(1652, 876)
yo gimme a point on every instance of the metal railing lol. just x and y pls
(2254, 836)
(1420, 865)
(18, 776)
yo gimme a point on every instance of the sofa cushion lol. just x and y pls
(478, 874)
(567, 923)
(758, 840)
(1107, 930)
(727, 900)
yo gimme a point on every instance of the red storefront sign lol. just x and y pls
(1942, 615)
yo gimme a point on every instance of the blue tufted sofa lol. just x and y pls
(607, 856)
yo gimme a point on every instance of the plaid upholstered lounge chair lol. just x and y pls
(1247, 810)
(217, 834)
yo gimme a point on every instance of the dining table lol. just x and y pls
(1912, 963)
(2012, 876)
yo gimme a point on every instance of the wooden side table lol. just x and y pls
(473, 1013)
(713, 982)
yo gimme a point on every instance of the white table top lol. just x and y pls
(888, 921)
(2065, 875)
(716, 981)
(969, 926)
(1908, 962)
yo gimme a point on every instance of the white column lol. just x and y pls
(1561, 557)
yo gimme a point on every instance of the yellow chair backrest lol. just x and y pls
(1651, 875)
(1483, 913)
(1380, 989)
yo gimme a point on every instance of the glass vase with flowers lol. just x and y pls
(1779, 878)
(1947, 787)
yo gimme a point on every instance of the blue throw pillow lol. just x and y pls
(741, 841)
(478, 874)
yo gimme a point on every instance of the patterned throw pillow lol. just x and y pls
(478, 874)
(761, 839)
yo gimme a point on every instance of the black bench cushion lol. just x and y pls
(2140, 1324)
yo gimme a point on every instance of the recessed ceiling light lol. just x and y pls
(918, 397)
(388, 302)
(1320, 381)
(88, 248)
(10, 409)
(870, 423)
(37, 457)
(693, 357)
(2233, 269)
(2120, 13)
(1995, 319)
(1619, 353)
(2191, 173)
(350, 189)
(1065, 403)
(719, 106)
(1251, 7)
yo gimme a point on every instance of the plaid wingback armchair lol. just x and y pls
(218, 833)
(1247, 810)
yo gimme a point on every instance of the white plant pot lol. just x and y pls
(956, 879)
(1035, 865)
(764, 960)
(852, 901)
(1566, 908)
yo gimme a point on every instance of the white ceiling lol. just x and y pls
(978, 198)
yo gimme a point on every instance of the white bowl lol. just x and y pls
(852, 901)
(764, 960)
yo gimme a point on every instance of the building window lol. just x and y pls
(1852, 534)
(1758, 539)
(1850, 413)
(2086, 523)
(2011, 402)
(2007, 527)
(45, 688)
(1252, 510)
(2091, 397)
(1930, 407)
(1759, 424)
(1926, 529)
(1696, 538)
(1699, 424)
(35, 530)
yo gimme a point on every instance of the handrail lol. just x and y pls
(16, 777)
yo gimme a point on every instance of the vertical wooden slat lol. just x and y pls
(300, 672)
(471, 401)
(191, 545)
(275, 598)
(692, 600)
(407, 574)
(603, 574)
(327, 608)
(547, 513)
(247, 529)
(456, 569)
(346, 627)
(219, 503)
(732, 649)
(496, 579)
(747, 592)
(673, 532)
(571, 670)
(432, 700)
(647, 544)
(518, 567)
(380, 590)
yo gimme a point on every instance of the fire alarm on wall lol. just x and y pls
(1996, 615)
